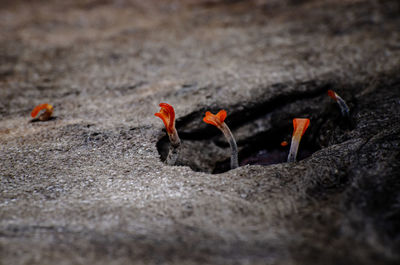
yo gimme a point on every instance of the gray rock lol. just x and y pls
(90, 185)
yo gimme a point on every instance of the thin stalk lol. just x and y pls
(294, 147)
(174, 148)
(343, 106)
(234, 150)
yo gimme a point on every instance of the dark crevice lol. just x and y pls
(265, 149)
(260, 128)
(247, 112)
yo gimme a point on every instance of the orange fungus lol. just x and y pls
(46, 115)
(332, 94)
(167, 114)
(300, 126)
(215, 120)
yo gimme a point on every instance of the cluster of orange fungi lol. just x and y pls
(167, 115)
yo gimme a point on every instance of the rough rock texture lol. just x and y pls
(90, 187)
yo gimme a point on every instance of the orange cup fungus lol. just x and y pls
(300, 126)
(45, 115)
(340, 101)
(167, 115)
(218, 120)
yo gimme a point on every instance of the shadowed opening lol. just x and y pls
(259, 129)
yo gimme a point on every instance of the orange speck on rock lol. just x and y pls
(284, 143)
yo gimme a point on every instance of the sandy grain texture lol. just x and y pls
(90, 187)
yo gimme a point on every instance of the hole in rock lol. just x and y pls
(259, 129)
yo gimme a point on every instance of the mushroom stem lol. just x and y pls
(343, 107)
(173, 148)
(294, 147)
(234, 150)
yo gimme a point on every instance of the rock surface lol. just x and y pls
(90, 187)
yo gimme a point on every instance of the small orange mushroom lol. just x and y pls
(332, 94)
(340, 101)
(45, 115)
(218, 120)
(300, 126)
(167, 115)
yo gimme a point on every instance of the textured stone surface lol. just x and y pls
(90, 187)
